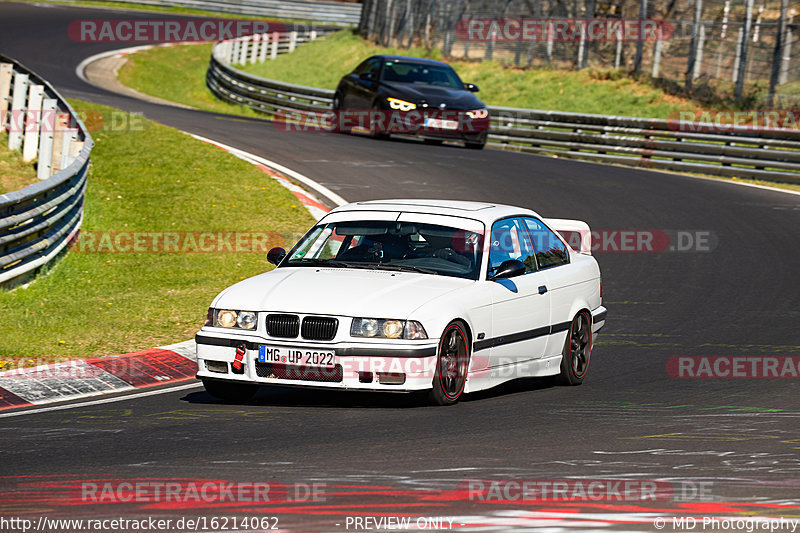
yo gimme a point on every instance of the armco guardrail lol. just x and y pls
(265, 96)
(339, 13)
(37, 222)
(652, 143)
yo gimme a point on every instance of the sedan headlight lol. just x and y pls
(401, 105)
(387, 328)
(478, 113)
(229, 318)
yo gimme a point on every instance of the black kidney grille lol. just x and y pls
(319, 328)
(285, 326)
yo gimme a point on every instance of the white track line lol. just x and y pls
(101, 401)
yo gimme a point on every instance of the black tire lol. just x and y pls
(336, 105)
(577, 350)
(373, 132)
(230, 392)
(452, 363)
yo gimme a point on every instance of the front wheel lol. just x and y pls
(577, 350)
(451, 365)
(230, 392)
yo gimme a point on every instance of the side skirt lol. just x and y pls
(492, 377)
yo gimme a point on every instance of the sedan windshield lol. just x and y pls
(420, 74)
(390, 245)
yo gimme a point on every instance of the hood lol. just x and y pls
(337, 291)
(459, 99)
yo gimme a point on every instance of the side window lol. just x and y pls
(550, 251)
(370, 65)
(509, 240)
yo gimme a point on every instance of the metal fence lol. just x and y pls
(678, 145)
(730, 46)
(326, 12)
(37, 222)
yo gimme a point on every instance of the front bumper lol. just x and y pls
(384, 366)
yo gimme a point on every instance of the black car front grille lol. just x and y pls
(283, 326)
(299, 373)
(319, 328)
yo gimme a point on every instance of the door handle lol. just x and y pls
(542, 289)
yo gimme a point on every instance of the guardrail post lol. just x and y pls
(254, 48)
(737, 59)
(61, 130)
(262, 56)
(313, 35)
(274, 52)
(237, 44)
(48, 127)
(32, 123)
(6, 70)
(292, 41)
(243, 50)
(17, 106)
(68, 141)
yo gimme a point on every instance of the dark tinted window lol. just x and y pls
(370, 65)
(421, 74)
(550, 251)
(510, 240)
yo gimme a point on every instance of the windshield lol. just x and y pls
(419, 74)
(390, 245)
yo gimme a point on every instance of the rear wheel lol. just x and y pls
(451, 365)
(577, 350)
(337, 109)
(230, 392)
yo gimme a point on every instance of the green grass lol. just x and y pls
(154, 180)
(177, 74)
(15, 174)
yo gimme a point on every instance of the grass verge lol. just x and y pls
(154, 180)
(15, 174)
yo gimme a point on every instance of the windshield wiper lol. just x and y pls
(404, 268)
(329, 263)
(320, 262)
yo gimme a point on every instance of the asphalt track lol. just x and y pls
(392, 455)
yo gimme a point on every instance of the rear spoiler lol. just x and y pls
(575, 232)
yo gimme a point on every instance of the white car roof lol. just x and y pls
(484, 212)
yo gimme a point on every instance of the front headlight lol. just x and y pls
(228, 318)
(387, 329)
(478, 113)
(401, 105)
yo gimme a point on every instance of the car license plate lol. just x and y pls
(297, 356)
(441, 124)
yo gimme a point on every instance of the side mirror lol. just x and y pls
(509, 269)
(276, 255)
(367, 76)
(471, 87)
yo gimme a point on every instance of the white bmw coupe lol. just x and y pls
(410, 295)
